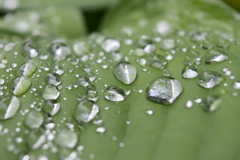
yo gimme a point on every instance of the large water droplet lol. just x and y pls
(9, 107)
(164, 90)
(211, 103)
(111, 45)
(66, 138)
(157, 61)
(21, 85)
(210, 79)
(189, 72)
(85, 111)
(27, 69)
(34, 119)
(51, 107)
(125, 72)
(35, 139)
(50, 92)
(59, 51)
(114, 93)
(53, 79)
(215, 55)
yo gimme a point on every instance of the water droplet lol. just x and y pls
(27, 69)
(157, 61)
(215, 55)
(66, 138)
(210, 79)
(144, 41)
(142, 61)
(114, 93)
(91, 91)
(34, 119)
(236, 85)
(51, 107)
(166, 73)
(192, 58)
(35, 139)
(211, 103)
(189, 72)
(85, 111)
(9, 107)
(81, 48)
(29, 49)
(111, 45)
(222, 44)
(167, 44)
(21, 85)
(189, 104)
(59, 51)
(101, 129)
(149, 112)
(198, 37)
(164, 90)
(139, 52)
(2, 81)
(84, 81)
(50, 92)
(53, 79)
(164, 28)
(125, 72)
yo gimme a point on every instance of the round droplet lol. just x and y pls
(164, 90)
(164, 28)
(157, 61)
(53, 79)
(167, 44)
(51, 107)
(9, 107)
(34, 119)
(66, 138)
(59, 51)
(139, 52)
(215, 55)
(2, 81)
(236, 85)
(114, 93)
(50, 92)
(29, 49)
(85, 111)
(21, 85)
(210, 79)
(35, 139)
(125, 72)
(27, 69)
(91, 91)
(192, 58)
(189, 72)
(211, 103)
(111, 45)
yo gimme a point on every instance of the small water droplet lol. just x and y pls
(149, 112)
(101, 129)
(215, 55)
(164, 90)
(91, 91)
(236, 85)
(21, 85)
(116, 56)
(125, 72)
(66, 138)
(85, 111)
(59, 51)
(51, 107)
(222, 44)
(189, 104)
(50, 92)
(111, 45)
(164, 28)
(210, 79)
(189, 72)
(166, 73)
(211, 103)
(27, 69)
(84, 81)
(29, 49)
(192, 58)
(114, 93)
(157, 61)
(34, 119)
(9, 107)
(81, 48)
(139, 52)
(167, 44)
(35, 139)
(53, 79)
(2, 81)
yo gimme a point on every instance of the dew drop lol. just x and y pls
(2, 81)
(189, 104)
(211, 103)
(149, 112)
(66, 138)
(210, 79)
(236, 85)
(101, 129)
(27, 69)
(21, 85)
(29, 49)
(164, 28)
(81, 48)
(51, 107)
(139, 52)
(84, 81)
(164, 90)
(85, 111)
(9, 107)
(35, 139)
(50, 92)
(167, 44)
(215, 55)
(192, 58)
(157, 61)
(34, 119)
(189, 72)
(91, 91)
(111, 45)
(125, 72)
(114, 94)
(59, 51)
(53, 79)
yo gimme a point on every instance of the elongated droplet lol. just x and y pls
(164, 90)
(114, 93)
(215, 55)
(157, 61)
(50, 92)
(53, 79)
(211, 103)
(59, 51)
(34, 119)
(27, 69)
(85, 111)
(66, 138)
(21, 85)
(210, 79)
(35, 139)
(51, 107)
(111, 45)
(125, 72)
(9, 107)
(189, 72)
